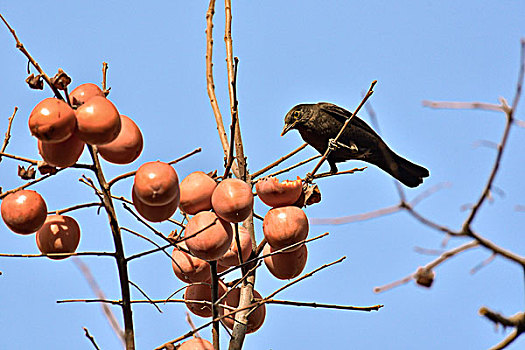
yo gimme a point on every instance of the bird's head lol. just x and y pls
(296, 116)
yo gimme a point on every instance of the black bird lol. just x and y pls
(320, 123)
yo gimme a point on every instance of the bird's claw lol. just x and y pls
(309, 178)
(333, 145)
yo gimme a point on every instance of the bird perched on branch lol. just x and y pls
(319, 125)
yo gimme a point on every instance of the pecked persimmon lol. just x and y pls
(232, 200)
(195, 192)
(196, 344)
(155, 213)
(201, 292)
(24, 211)
(84, 92)
(231, 257)
(156, 183)
(98, 121)
(188, 268)
(61, 154)
(285, 226)
(286, 265)
(52, 120)
(279, 194)
(209, 237)
(58, 234)
(126, 147)
(256, 318)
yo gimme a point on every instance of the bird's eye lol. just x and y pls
(296, 114)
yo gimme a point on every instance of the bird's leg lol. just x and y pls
(333, 145)
(333, 167)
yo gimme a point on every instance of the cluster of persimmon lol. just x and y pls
(216, 209)
(25, 212)
(62, 130)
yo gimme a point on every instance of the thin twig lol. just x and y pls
(120, 257)
(22, 159)
(215, 307)
(462, 105)
(192, 325)
(235, 122)
(57, 255)
(279, 161)
(22, 48)
(8, 132)
(100, 294)
(91, 339)
(329, 149)
(495, 168)
(428, 267)
(104, 78)
(75, 207)
(355, 218)
(210, 85)
(299, 279)
(295, 165)
(324, 306)
(257, 258)
(344, 172)
(145, 295)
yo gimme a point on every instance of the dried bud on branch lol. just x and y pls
(26, 174)
(35, 81)
(61, 80)
(424, 277)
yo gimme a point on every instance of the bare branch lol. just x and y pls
(145, 295)
(91, 339)
(329, 149)
(75, 207)
(8, 132)
(428, 267)
(210, 85)
(462, 105)
(100, 294)
(279, 161)
(324, 306)
(22, 48)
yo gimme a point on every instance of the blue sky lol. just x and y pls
(290, 52)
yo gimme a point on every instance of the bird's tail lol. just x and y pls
(410, 174)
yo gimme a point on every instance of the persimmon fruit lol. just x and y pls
(196, 344)
(201, 292)
(286, 265)
(279, 194)
(231, 257)
(232, 200)
(188, 268)
(126, 147)
(156, 183)
(195, 192)
(209, 237)
(285, 226)
(62, 154)
(157, 213)
(84, 92)
(24, 211)
(256, 318)
(98, 121)
(58, 234)
(52, 120)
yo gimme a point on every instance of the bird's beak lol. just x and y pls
(288, 127)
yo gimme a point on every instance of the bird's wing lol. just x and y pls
(342, 115)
